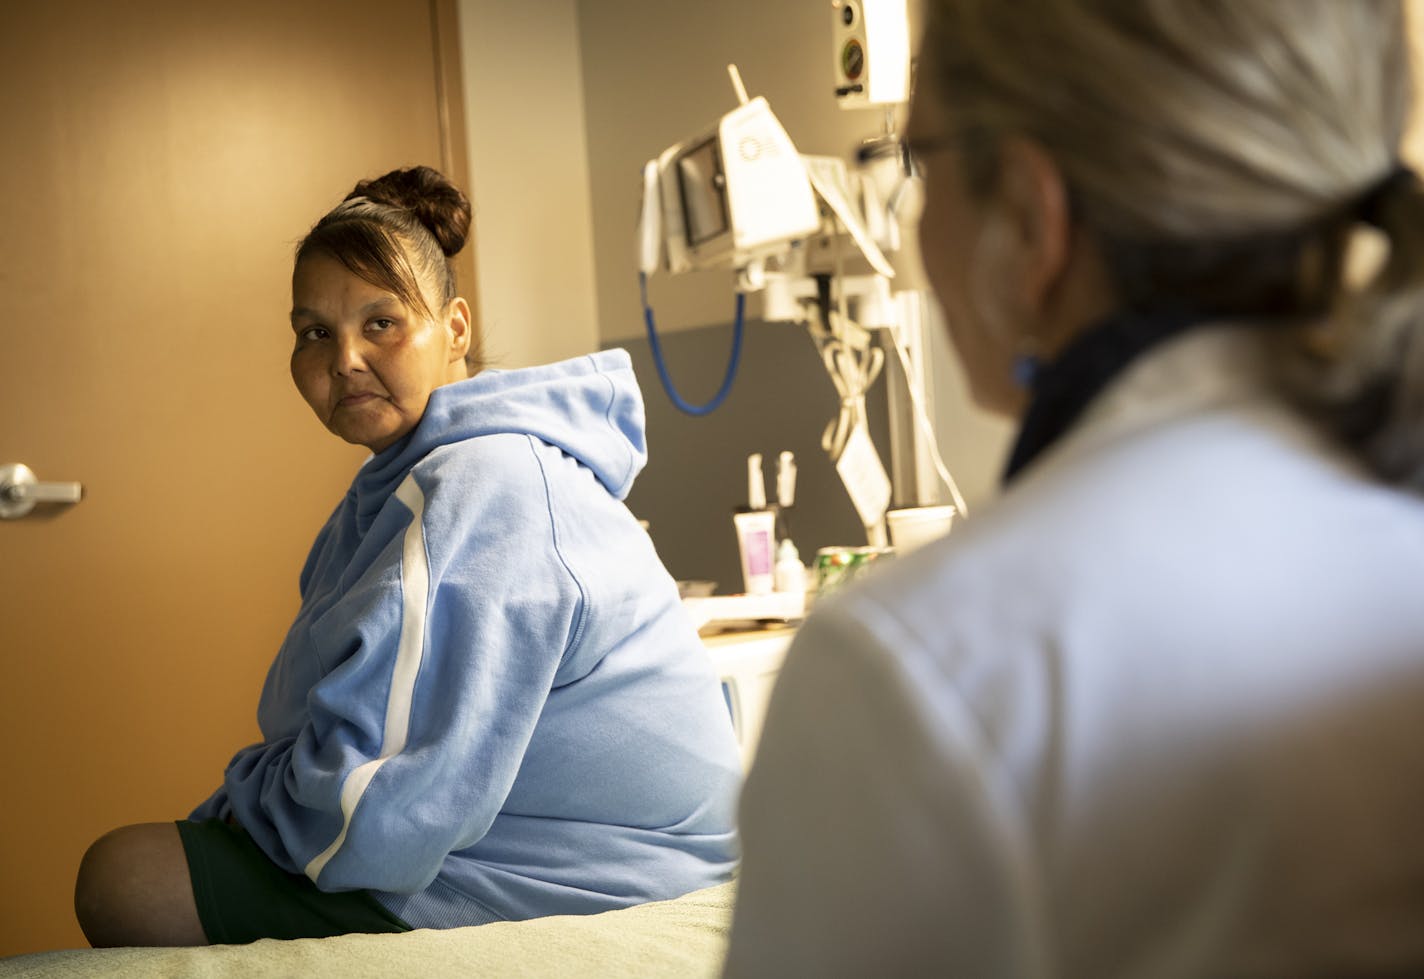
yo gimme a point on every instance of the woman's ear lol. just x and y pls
(458, 326)
(1035, 198)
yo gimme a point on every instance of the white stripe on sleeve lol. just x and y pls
(415, 592)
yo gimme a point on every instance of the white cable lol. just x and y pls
(922, 416)
(853, 395)
(852, 368)
(852, 387)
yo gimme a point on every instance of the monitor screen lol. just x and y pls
(704, 192)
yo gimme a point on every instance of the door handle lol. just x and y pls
(20, 491)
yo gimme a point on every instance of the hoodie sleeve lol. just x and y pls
(437, 663)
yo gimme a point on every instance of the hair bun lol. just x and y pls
(434, 201)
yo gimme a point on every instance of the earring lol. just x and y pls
(1027, 363)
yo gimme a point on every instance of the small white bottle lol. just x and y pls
(789, 573)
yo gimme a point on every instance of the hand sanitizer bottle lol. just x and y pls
(789, 573)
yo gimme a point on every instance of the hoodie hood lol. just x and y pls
(590, 407)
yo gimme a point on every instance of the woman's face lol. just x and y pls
(363, 360)
(951, 226)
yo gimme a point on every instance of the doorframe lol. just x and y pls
(454, 141)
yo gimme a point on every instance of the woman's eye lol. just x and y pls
(312, 334)
(380, 325)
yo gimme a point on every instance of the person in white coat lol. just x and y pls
(1158, 710)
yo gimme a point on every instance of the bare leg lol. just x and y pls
(134, 889)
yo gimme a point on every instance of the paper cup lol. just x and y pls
(914, 527)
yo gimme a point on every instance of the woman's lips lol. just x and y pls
(355, 399)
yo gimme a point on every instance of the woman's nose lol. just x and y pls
(350, 356)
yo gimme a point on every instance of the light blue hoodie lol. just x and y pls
(491, 704)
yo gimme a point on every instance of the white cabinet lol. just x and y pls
(748, 663)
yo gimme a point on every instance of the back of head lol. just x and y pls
(1226, 156)
(399, 231)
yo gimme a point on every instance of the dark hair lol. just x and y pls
(398, 231)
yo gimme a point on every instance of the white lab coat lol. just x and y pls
(1157, 712)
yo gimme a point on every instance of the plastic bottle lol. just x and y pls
(789, 573)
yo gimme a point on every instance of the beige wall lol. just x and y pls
(1413, 149)
(529, 175)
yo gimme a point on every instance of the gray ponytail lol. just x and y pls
(1362, 368)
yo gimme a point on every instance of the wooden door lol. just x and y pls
(161, 159)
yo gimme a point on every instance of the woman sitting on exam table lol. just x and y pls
(1159, 710)
(492, 705)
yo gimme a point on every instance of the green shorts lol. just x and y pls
(243, 896)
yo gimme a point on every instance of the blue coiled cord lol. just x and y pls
(661, 364)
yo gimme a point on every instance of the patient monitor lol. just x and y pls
(727, 197)
(739, 193)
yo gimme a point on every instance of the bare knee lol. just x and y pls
(133, 888)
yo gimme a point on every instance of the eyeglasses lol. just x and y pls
(905, 153)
